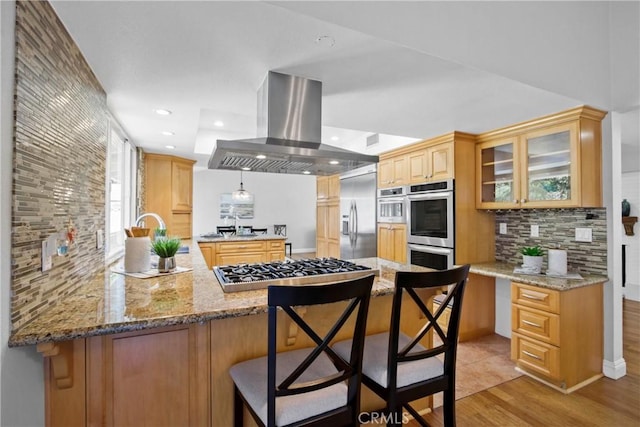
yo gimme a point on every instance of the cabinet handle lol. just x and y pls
(535, 297)
(523, 200)
(526, 322)
(515, 200)
(531, 355)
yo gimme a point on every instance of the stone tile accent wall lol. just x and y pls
(59, 161)
(557, 231)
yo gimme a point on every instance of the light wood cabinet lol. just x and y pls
(392, 242)
(153, 377)
(439, 159)
(550, 162)
(393, 172)
(242, 251)
(328, 216)
(557, 336)
(169, 192)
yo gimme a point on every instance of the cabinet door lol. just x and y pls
(181, 186)
(418, 169)
(207, 253)
(440, 161)
(385, 173)
(322, 188)
(400, 171)
(497, 171)
(334, 186)
(180, 225)
(385, 250)
(153, 378)
(399, 243)
(549, 165)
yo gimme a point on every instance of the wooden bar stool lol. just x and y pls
(310, 386)
(410, 371)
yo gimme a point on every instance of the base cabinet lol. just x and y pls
(249, 252)
(157, 377)
(392, 242)
(557, 337)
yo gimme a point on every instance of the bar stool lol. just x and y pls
(411, 371)
(281, 230)
(310, 386)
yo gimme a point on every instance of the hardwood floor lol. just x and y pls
(526, 402)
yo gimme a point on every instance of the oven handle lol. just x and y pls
(428, 196)
(385, 200)
(431, 249)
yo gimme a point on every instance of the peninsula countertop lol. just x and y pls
(212, 238)
(110, 302)
(505, 271)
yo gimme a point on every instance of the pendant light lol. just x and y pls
(241, 195)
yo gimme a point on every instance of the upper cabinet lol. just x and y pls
(550, 162)
(328, 187)
(430, 160)
(169, 192)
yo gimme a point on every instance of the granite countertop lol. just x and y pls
(255, 237)
(505, 271)
(110, 302)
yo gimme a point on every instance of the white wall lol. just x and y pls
(21, 375)
(631, 192)
(278, 199)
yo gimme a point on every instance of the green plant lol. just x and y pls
(160, 231)
(166, 248)
(532, 251)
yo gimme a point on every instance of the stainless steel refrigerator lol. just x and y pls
(358, 213)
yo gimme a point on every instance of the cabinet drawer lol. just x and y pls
(275, 256)
(536, 356)
(249, 246)
(536, 297)
(240, 258)
(274, 245)
(536, 324)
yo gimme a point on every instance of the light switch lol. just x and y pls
(99, 239)
(503, 228)
(584, 235)
(535, 230)
(46, 258)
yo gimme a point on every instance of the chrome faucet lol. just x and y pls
(153, 215)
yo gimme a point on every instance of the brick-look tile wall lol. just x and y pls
(59, 161)
(557, 231)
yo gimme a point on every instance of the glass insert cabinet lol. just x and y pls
(540, 168)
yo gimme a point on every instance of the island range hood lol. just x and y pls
(289, 127)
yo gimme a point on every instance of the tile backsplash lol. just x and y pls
(60, 137)
(556, 231)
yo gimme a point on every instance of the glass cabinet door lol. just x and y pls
(550, 166)
(498, 174)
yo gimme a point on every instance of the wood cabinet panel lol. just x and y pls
(392, 242)
(550, 162)
(393, 172)
(208, 253)
(181, 186)
(169, 192)
(557, 336)
(439, 159)
(250, 246)
(418, 167)
(240, 258)
(154, 377)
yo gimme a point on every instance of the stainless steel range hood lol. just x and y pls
(289, 123)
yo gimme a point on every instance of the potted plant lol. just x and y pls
(532, 258)
(166, 249)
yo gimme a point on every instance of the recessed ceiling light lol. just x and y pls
(246, 169)
(325, 41)
(261, 156)
(334, 138)
(167, 133)
(334, 162)
(218, 123)
(171, 147)
(162, 112)
(306, 172)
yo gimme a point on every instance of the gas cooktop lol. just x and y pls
(244, 277)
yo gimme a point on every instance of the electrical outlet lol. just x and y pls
(99, 239)
(503, 228)
(535, 231)
(584, 235)
(46, 257)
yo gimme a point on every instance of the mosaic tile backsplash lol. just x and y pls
(557, 231)
(59, 161)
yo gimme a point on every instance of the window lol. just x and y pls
(121, 195)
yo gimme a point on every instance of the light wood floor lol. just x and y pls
(525, 402)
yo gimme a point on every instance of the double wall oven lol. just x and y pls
(431, 224)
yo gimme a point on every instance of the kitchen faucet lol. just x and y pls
(153, 215)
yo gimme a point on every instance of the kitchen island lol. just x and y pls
(128, 351)
(241, 249)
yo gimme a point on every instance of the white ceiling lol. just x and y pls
(410, 69)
